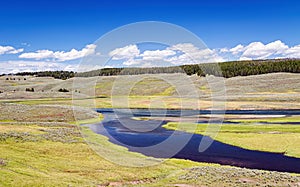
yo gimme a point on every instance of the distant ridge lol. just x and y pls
(228, 69)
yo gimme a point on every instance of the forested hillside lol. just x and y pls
(55, 74)
(233, 69)
(225, 69)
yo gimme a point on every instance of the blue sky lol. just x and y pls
(64, 25)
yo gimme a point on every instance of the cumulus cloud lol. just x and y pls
(60, 55)
(131, 55)
(187, 53)
(183, 53)
(293, 52)
(258, 50)
(126, 52)
(238, 49)
(9, 50)
(157, 54)
(193, 54)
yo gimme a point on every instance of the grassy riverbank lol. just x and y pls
(52, 152)
(250, 134)
(39, 150)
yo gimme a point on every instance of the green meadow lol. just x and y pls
(251, 134)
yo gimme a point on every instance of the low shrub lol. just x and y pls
(29, 89)
(63, 90)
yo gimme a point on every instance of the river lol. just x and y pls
(150, 138)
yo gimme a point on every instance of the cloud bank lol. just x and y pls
(179, 54)
(132, 55)
(31, 66)
(60, 55)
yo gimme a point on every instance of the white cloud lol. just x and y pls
(224, 50)
(179, 54)
(258, 50)
(187, 48)
(245, 58)
(238, 49)
(132, 61)
(60, 55)
(29, 66)
(157, 54)
(10, 50)
(183, 53)
(39, 54)
(293, 52)
(192, 54)
(86, 67)
(126, 52)
(71, 68)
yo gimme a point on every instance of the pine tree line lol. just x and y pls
(225, 69)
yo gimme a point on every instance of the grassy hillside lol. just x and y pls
(273, 91)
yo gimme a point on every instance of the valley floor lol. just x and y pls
(41, 143)
(39, 150)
